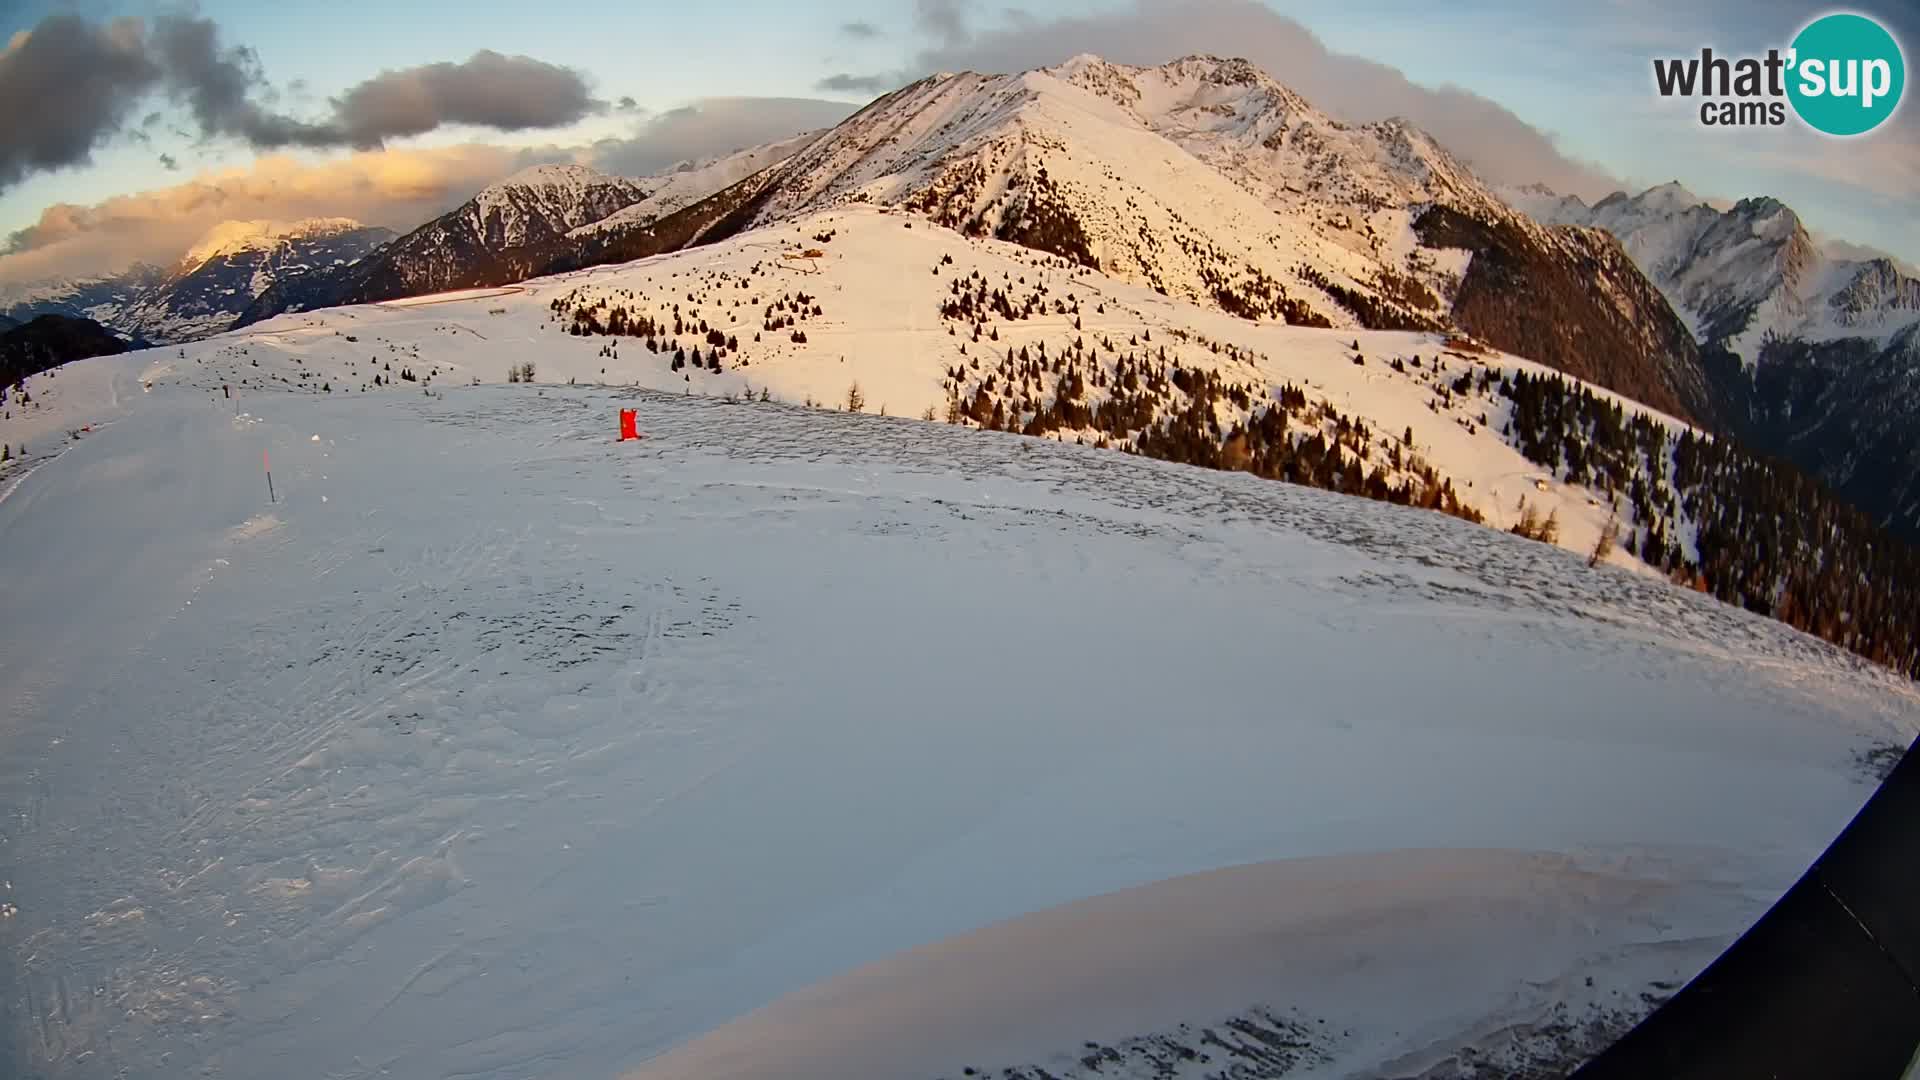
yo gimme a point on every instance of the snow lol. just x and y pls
(1753, 259)
(559, 178)
(689, 182)
(881, 328)
(531, 753)
(1194, 175)
(234, 237)
(1332, 930)
(66, 401)
(536, 202)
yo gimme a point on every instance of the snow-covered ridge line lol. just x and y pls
(881, 286)
(232, 237)
(1743, 273)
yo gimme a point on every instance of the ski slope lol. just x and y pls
(496, 748)
(881, 280)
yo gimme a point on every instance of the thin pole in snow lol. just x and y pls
(268, 462)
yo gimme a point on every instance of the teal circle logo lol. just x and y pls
(1847, 74)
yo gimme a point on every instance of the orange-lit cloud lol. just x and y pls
(398, 188)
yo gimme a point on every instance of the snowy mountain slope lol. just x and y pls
(497, 748)
(220, 277)
(1817, 361)
(884, 287)
(1019, 156)
(525, 210)
(1203, 179)
(68, 406)
(1208, 180)
(1248, 126)
(692, 182)
(100, 298)
(211, 284)
(1747, 273)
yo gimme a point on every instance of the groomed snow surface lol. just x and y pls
(496, 748)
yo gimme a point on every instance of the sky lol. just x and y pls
(135, 126)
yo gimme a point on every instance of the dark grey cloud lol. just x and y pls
(846, 83)
(75, 83)
(170, 163)
(86, 79)
(506, 93)
(214, 83)
(710, 128)
(945, 21)
(1495, 142)
(860, 29)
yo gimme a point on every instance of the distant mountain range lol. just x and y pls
(542, 220)
(209, 287)
(101, 298)
(1813, 357)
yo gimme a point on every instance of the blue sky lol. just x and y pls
(1553, 92)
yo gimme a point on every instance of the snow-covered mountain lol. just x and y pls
(692, 181)
(544, 219)
(1817, 355)
(101, 298)
(477, 241)
(1208, 180)
(221, 276)
(1204, 179)
(1743, 274)
(211, 284)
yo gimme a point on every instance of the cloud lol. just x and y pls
(81, 80)
(712, 127)
(864, 31)
(86, 79)
(845, 83)
(1489, 137)
(170, 163)
(214, 83)
(945, 21)
(506, 93)
(1836, 248)
(397, 188)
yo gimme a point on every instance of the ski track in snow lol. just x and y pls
(498, 749)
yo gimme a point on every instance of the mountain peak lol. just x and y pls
(1671, 195)
(552, 175)
(233, 237)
